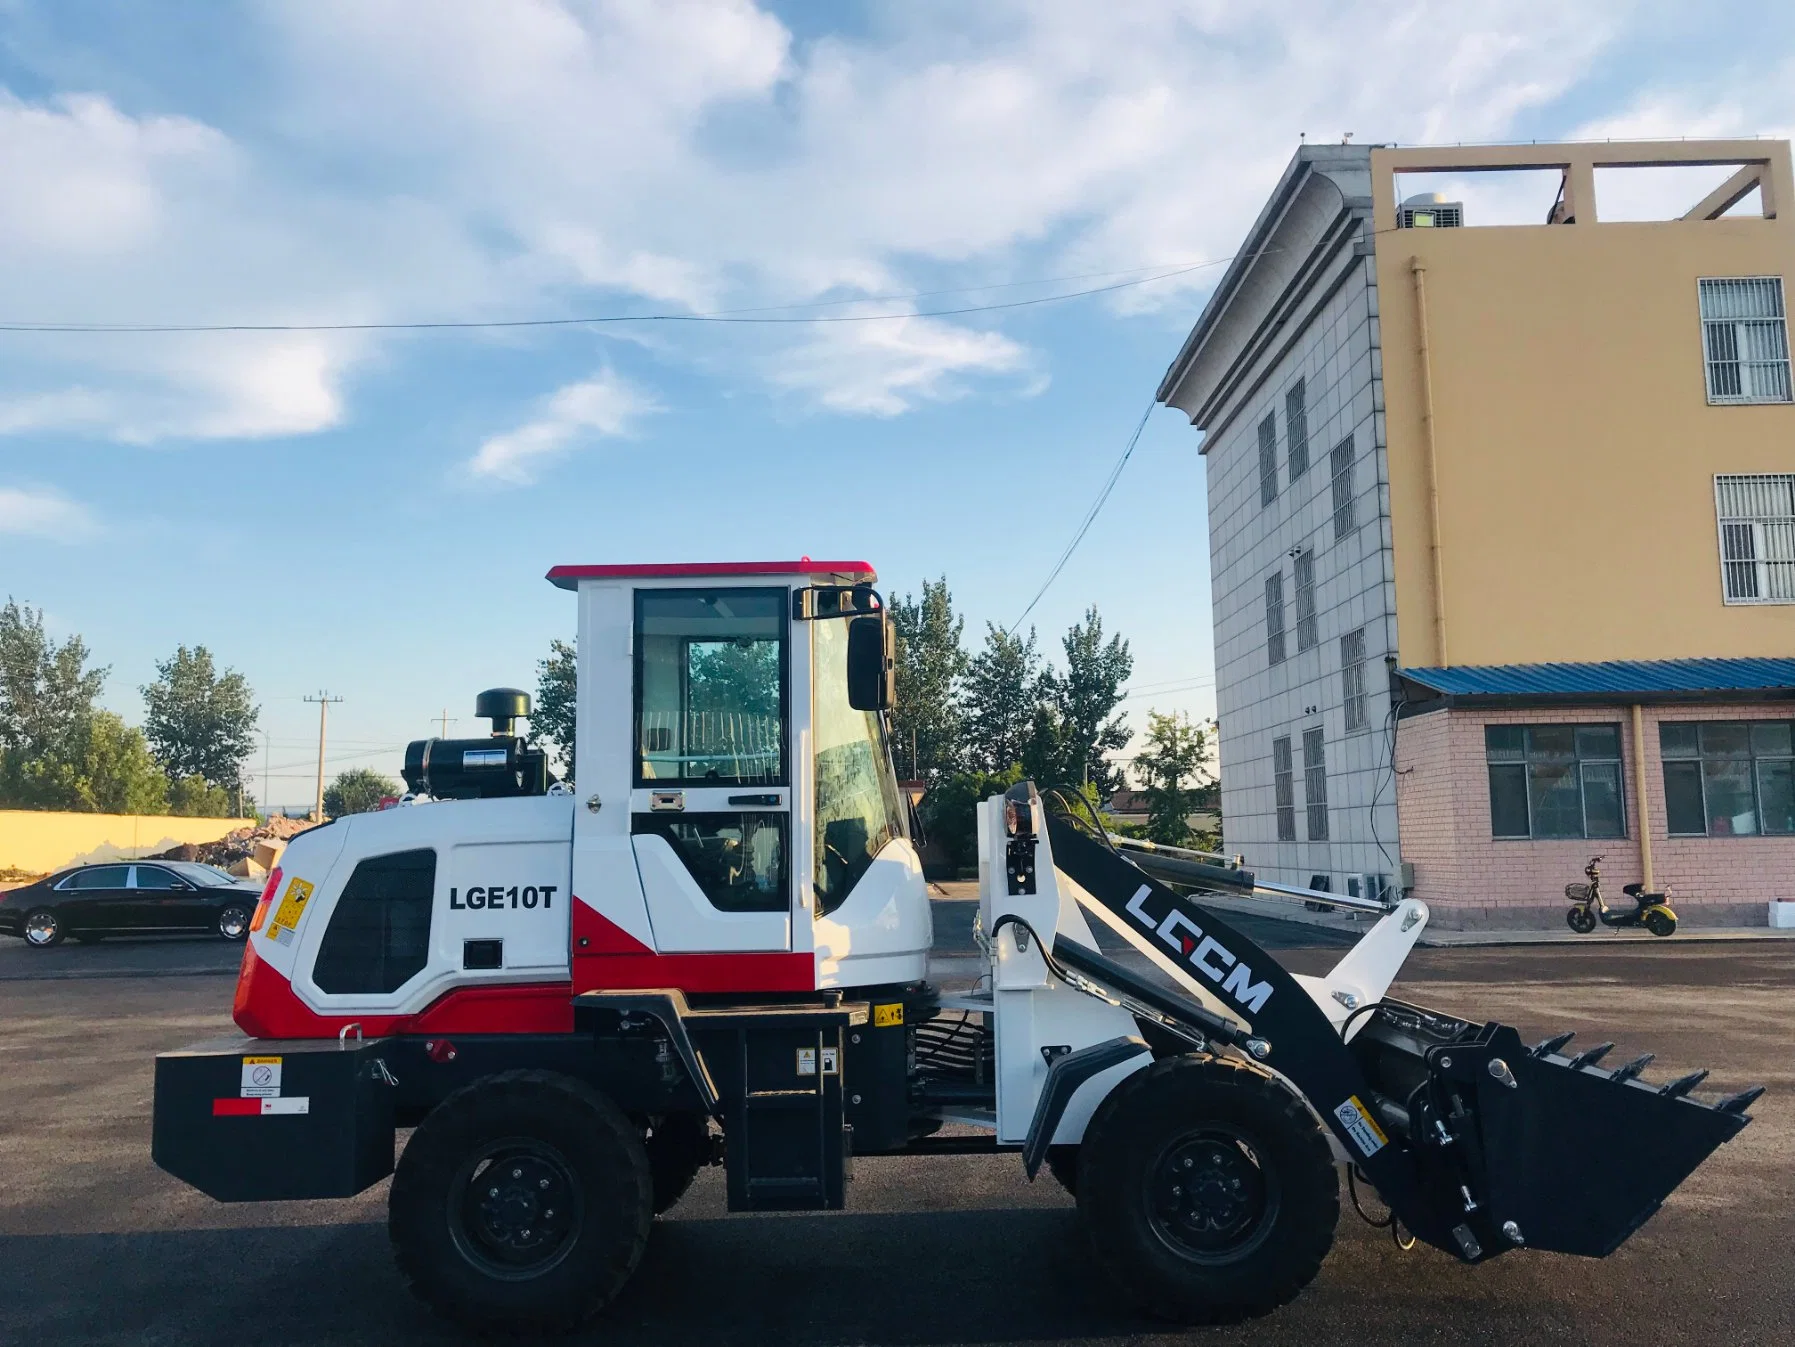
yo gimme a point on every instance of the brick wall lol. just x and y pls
(1475, 881)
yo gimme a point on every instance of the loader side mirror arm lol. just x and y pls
(872, 669)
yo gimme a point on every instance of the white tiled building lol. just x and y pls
(1283, 374)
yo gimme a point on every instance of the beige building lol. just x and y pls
(1502, 526)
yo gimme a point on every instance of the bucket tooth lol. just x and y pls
(1738, 1103)
(1552, 1044)
(1591, 1056)
(1628, 1070)
(1682, 1085)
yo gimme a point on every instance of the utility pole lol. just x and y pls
(324, 699)
(266, 806)
(445, 722)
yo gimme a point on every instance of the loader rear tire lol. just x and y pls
(521, 1204)
(1208, 1190)
(678, 1147)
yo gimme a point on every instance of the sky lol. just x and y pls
(372, 512)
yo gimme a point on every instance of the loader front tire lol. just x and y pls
(1208, 1190)
(521, 1204)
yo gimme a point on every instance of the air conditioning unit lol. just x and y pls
(1376, 887)
(1430, 210)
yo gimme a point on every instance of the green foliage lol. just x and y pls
(1084, 700)
(200, 722)
(195, 797)
(927, 721)
(46, 692)
(949, 815)
(357, 791)
(1172, 767)
(1001, 691)
(556, 698)
(733, 677)
(117, 773)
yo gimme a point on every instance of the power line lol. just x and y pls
(1089, 518)
(747, 316)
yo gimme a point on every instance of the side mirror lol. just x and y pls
(872, 672)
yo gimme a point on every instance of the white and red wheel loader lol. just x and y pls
(712, 947)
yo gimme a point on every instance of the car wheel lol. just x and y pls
(43, 929)
(233, 921)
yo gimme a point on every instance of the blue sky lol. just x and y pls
(373, 512)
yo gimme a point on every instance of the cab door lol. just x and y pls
(711, 794)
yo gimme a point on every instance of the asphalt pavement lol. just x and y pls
(100, 1247)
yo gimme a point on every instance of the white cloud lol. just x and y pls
(42, 514)
(605, 406)
(884, 369)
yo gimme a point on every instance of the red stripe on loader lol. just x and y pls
(236, 1108)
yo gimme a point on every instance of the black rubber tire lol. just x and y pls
(678, 1147)
(1580, 919)
(239, 915)
(1062, 1163)
(1660, 923)
(601, 1152)
(1146, 1119)
(57, 936)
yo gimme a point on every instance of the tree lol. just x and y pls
(1085, 698)
(1001, 690)
(949, 814)
(557, 684)
(195, 797)
(357, 791)
(1173, 769)
(200, 722)
(47, 699)
(926, 722)
(118, 775)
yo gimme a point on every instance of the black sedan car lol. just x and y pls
(90, 902)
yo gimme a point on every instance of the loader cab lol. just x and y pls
(738, 825)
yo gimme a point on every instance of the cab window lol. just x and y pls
(711, 686)
(379, 935)
(152, 877)
(857, 804)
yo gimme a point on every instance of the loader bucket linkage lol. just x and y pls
(1466, 1132)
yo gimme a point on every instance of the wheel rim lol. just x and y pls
(1209, 1197)
(516, 1209)
(40, 928)
(233, 923)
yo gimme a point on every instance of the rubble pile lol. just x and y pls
(248, 852)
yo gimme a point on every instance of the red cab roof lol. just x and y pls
(569, 577)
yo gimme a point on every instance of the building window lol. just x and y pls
(1757, 536)
(1268, 459)
(1315, 784)
(1352, 678)
(1745, 337)
(1284, 788)
(1728, 778)
(1554, 780)
(1305, 600)
(1340, 461)
(1296, 428)
(1274, 618)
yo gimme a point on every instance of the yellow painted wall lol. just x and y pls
(40, 841)
(1575, 446)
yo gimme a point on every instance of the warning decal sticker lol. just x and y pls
(261, 1078)
(292, 908)
(260, 1108)
(1361, 1127)
(884, 1017)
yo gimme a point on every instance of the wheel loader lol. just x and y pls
(711, 946)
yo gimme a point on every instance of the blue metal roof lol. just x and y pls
(1677, 678)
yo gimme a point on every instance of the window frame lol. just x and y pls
(1268, 460)
(1352, 681)
(1296, 427)
(1306, 620)
(1276, 647)
(1778, 322)
(783, 778)
(1700, 758)
(1525, 763)
(1759, 562)
(1315, 783)
(1283, 782)
(1340, 465)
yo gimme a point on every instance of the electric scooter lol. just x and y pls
(1587, 908)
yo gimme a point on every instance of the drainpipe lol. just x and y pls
(1418, 269)
(1641, 808)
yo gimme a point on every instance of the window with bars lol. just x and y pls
(1352, 678)
(1745, 339)
(1296, 427)
(1305, 600)
(1728, 778)
(1283, 778)
(1757, 536)
(1554, 780)
(1340, 462)
(1274, 618)
(1315, 784)
(1268, 459)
